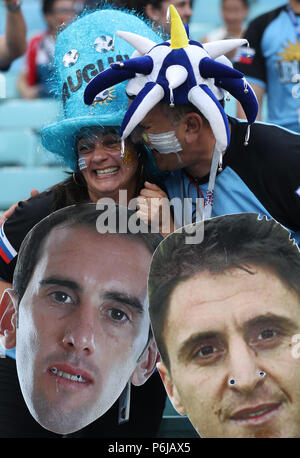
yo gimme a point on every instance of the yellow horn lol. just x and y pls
(179, 38)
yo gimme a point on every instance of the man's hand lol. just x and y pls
(8, 213)
(154, 208)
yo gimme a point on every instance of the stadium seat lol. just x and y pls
(8, 85)
(18, 147)
(17, 182)
(35, 114)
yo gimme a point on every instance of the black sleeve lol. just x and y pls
(270, 167)
(251, 61)
(27, 214)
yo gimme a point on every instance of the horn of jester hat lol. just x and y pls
(179, 71)
(84, 49)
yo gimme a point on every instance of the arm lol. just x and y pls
(13, 43)
(259, 92)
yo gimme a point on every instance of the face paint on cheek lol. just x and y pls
(82, 163)
(128, 158)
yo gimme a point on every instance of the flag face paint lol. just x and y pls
(7, 252)
(82, 163)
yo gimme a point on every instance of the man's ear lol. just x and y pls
(170, 388)
(8, 319)
(146, 364)
(193, 125)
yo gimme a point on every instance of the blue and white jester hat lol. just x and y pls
(84, 49)
(180, 71)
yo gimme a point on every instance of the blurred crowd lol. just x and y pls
(232, 19)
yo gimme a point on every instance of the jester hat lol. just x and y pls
(83, 49)
(179, 71)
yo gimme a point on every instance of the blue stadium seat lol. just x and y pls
(18, 147)
(17, 182)
(35, 114)
(8, 85)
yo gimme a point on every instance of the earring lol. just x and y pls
(124, 404)
(231, 382)
(74, 178)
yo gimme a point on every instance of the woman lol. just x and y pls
(88, 143)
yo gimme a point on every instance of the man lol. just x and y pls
(157, 10)
(216, 165)
(80, 326)
(224, 315)
(272, 63)
(234, 14)
(35, 80)
(13, 42)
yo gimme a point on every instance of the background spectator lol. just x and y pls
(234, 14)
(34, 80)
(156, 10)
(272, 64)
(13, 42)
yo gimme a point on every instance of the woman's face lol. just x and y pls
(102, 167)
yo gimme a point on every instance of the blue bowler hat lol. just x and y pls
(83, 50)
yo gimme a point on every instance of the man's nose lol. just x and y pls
(244, 372)
(79, 335)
